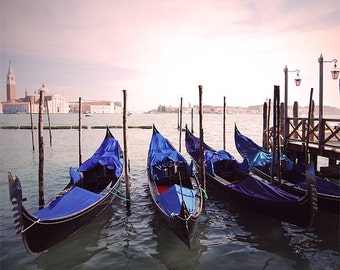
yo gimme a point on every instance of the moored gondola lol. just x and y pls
(91, 188)
(174, 188)
(293, 175)
(225, 174)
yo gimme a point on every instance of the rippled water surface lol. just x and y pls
(228, 236)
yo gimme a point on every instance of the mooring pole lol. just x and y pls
(264, 124)
(49, 121)
(202, 163)
(180, 125)
(41, 151)
(32, 126)
(310, 107)
(278, 128)
(178, 118)
(224, 122)
(192, 120)
(79, 131)
(274, 139)
(126, 165)
(268, 124)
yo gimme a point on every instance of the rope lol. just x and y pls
(204, 192)
(35, 222)
(57, 222)
(118, 194)
(184, 219)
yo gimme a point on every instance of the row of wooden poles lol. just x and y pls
(126, 165)
(275, 150)
(201, 133)
(276, 147)
(41, 145)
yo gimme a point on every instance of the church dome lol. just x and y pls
(44, 89)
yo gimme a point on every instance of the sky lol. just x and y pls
(160, 51)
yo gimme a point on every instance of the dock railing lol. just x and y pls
(327, 135)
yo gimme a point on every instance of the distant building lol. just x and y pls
(56, 103)
(10, 84)
(97, 107)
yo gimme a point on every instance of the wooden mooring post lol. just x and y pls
(32, 126)
(49, 121)
(192, 120)
(265, 127)
(180, 125)
(224, 122)
(202, 163)
(41, 151)
(79, 131)
(126, 164)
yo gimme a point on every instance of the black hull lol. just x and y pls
(184, 224)
(90, 190)
(327, 203)
(184, 230)
(294, 213)
(39, 236)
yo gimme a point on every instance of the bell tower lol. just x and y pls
(10, 83)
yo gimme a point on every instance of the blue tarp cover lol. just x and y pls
(73, 201)
(192, 144)
(161, 152)
(257, 155)
(171, 199)
(211, 156)
(322, 186)
(107, 155)
(161, 149)
(74, 175)
(259, 189)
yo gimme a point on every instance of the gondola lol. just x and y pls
(293, 175)
(225, 174)
(174, 188)
(91, 188)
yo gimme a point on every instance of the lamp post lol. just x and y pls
(297, 83)
(335, 75)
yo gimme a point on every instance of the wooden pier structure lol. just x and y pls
(324, 139)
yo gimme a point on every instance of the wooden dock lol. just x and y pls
(324, 140)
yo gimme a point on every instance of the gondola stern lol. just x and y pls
(108, 133)
(311, 191)
(154, 129)
(188, 232)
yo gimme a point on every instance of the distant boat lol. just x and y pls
(225, 174)
(174, 188)
(90, 190)
(293, 175)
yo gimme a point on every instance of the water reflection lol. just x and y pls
(78, 249)
(319, 244)
(170, 251)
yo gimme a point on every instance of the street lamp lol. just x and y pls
(297, 83)
(334, 70)
(335, 75)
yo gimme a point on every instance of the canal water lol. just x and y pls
(228, 237)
